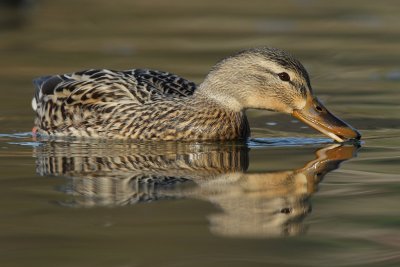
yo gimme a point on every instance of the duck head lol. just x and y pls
(271, 79)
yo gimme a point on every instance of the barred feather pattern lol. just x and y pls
(133, 104)
(105, 173)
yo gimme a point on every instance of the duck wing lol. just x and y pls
(86, 99)
(162, 83)
(138, 85)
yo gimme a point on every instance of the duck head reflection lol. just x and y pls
(252, 204)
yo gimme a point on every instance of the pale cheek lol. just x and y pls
(286, 109)
(278, 105)
(299, 103)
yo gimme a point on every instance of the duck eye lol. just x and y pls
(284, 76)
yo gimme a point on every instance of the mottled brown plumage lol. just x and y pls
(155, 105)
(136, 104)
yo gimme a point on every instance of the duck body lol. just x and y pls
(134, 104)
(154, 105)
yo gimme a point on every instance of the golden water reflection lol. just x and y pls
(262, 204)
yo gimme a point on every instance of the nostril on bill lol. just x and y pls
(318, 108)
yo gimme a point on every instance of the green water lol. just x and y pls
(287, 197)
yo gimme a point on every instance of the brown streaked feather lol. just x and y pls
(136, 104)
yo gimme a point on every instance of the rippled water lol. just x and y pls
(286, 197)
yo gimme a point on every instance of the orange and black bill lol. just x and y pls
(317, 116)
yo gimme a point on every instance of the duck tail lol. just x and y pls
(38, 83)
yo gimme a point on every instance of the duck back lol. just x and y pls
(130, 104)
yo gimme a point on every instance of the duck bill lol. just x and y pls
(317, 116)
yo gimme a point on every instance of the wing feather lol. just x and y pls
(68, 100)
(138, 85)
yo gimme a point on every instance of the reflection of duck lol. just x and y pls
(146, 104)
(252, 204)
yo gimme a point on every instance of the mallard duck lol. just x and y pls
(155, 105)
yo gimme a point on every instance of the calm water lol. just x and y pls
(287, 197)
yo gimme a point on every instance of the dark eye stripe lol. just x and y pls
(303, 89)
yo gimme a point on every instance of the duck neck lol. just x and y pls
(224, 116)
(215, 93)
